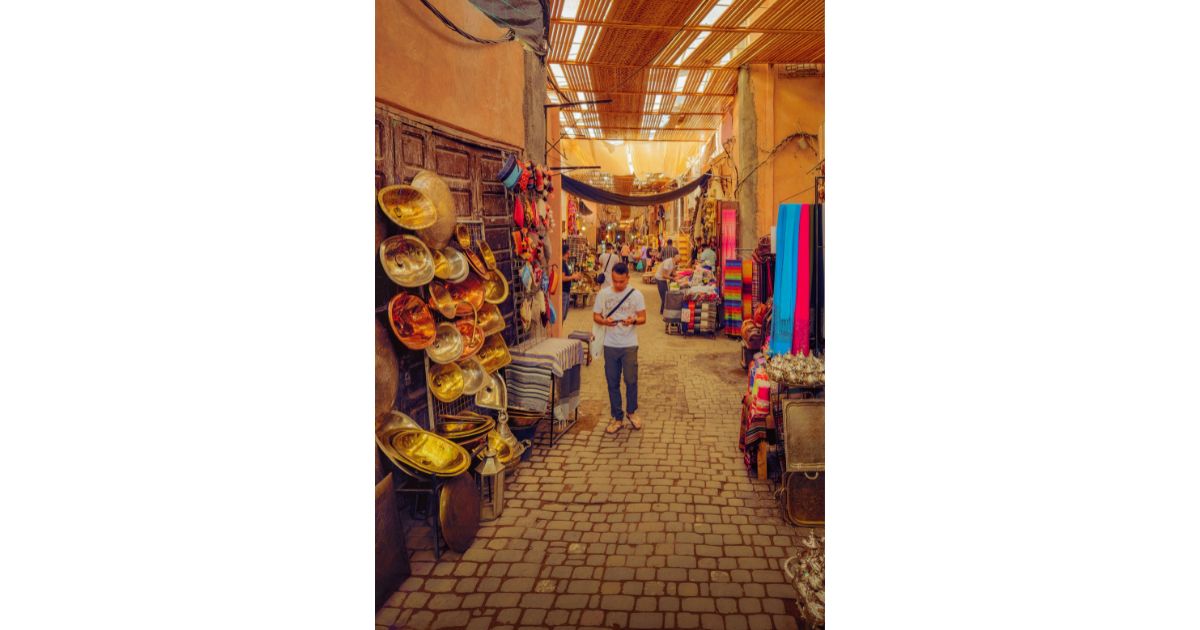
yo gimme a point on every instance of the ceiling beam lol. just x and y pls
(667, 27)
(602, 64)
(625, 138)
(602, 126)
(591, 91)
(650, 113)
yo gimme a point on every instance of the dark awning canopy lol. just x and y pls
(599, 195)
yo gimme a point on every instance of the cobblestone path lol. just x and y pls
(658, 528)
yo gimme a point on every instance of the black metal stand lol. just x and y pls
(432, 493)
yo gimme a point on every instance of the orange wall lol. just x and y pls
(422, 66)
(782, 107)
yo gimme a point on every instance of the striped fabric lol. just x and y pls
(553, 353)
(732, 293)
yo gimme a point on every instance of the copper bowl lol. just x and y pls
(447, 346)
(450, 264)
(494, 353)
(473, 337)
(407, 206)
(477, 264)
(429, 453)
(441, 301)
(446, 382)
(490, 319)
(411, 321)
(461, 429)
(468, 294)
(495, 288)
(436, 236)
(406, 260)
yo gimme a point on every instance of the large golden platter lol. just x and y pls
(436, 236)
(407, 207)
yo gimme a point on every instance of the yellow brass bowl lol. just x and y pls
(464, 430)
(490, 319)
(408, 207)
(489, 257)
(494, 353)
(468, 294)
(450, 264)
(495, 289)
(436, 236)
(406, 260)
(411, 321)
(504, 451)
(493, 394)
(474, 376)
(394, 422)
(477, 264)
(447, 346)
(446, 382)
(463, 235)
(440, 299)
(430, 453)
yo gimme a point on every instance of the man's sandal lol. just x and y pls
(613, 426)
(636, 422)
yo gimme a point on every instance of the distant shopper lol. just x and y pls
(620, 307)
(662, 276)
(605, 263)
(625, 253)
(670, 251)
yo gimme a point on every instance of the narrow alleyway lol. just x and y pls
(658, 528)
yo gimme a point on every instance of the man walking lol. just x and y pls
(620, 308)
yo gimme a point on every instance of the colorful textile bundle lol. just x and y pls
(729, 233)
(787, 233)
(528, 386)
(732, 293)
(756, 407)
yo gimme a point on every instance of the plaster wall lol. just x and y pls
(425, 68)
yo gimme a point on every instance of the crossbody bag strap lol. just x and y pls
(614, 309)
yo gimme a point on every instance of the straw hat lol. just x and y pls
(406, 260)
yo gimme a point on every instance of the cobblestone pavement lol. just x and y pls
(658, 528)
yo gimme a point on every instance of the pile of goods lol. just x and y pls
(806, 570)
(530, 186)
(796, 369)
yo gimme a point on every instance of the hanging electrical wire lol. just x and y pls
(807, 137)
(508, 37)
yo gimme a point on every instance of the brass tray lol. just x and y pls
(387, 371)
(458, 512)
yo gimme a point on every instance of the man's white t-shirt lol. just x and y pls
(664, 269)
(606, 262)
(621, 335)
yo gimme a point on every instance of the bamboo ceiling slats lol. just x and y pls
(636, 52)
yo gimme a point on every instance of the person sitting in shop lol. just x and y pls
(709, 256)
(620, 308)
(662, 276)
(569, 276)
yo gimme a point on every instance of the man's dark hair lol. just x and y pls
(669, 241)
(621, 268)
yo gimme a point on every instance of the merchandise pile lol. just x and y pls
(806, 570)
(796, 369)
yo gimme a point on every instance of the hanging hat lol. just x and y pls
(406, 260)
(526, 314)
(553, 314)
(450, 264)
(509, 172)
(527, 276)
(407, 206)
(518, 213)
(411, 321)
(436, 236)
